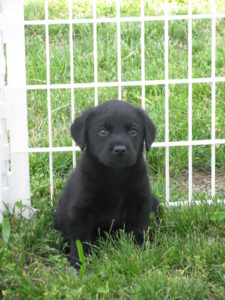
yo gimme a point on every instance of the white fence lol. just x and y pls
(14, 183)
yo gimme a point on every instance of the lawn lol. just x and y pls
(184, 257)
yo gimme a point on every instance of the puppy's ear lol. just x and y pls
(149, 131)
(78, 129)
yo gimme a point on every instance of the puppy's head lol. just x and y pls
(114, 133)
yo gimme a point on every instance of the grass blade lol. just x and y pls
(81, 257)
(6, 229)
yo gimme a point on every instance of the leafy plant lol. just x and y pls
(218, 216)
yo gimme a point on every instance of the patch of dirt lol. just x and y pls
(201, 181)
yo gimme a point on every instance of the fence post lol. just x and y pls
(4, 147)
(16, 102)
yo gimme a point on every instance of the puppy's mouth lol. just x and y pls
(119, 163)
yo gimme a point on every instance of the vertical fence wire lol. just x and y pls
(49, 99)
(213, 100)
(118, 50)
(166, 35)
(72, 72)
(95, 52)
(189, 100)
(142, 55)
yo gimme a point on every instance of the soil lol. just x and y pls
(201, 181)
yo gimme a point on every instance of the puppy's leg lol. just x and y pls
(138, 219)
(81, 229)
(137, 226)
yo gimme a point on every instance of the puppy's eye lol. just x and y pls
(103, 132)
(132, 132)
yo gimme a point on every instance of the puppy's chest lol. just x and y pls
(110, 208)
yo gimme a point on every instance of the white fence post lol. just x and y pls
(16, 102)
(4, 147)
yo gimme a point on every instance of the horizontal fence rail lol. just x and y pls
(125, 83)
(123, 19)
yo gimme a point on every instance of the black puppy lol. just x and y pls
(109, 189)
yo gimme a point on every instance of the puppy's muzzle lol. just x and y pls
(119, 150)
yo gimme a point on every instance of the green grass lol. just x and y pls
(182, 258)
(185, 258)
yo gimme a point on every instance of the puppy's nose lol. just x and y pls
(119, 150)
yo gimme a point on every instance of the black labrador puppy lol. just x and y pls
(109, 189)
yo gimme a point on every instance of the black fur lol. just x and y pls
(109, 189)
